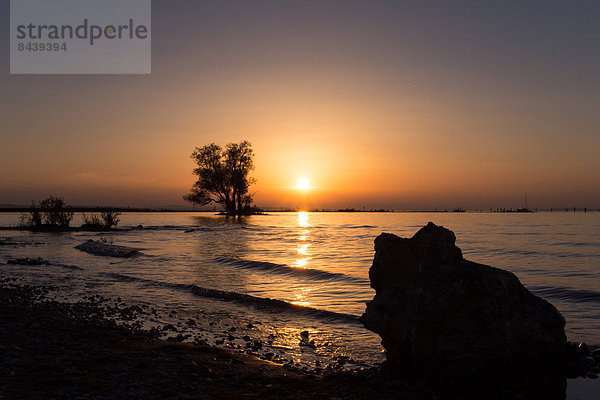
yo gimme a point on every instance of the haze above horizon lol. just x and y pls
(396, 105)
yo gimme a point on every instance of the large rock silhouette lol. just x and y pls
(442, 316)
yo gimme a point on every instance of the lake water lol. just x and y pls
(319, 261)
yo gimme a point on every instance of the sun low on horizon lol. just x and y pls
(379, 132)
(303, 184)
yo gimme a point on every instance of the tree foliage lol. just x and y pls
(223, 177)
(53, 212)
(105, 220)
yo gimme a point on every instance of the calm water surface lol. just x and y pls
(316, 260)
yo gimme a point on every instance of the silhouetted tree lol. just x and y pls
(56, 212)
(51, 212)
(106, 220)
(223, 177)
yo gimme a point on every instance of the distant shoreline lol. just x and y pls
(273, 210)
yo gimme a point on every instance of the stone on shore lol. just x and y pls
(28, 261)
(106, 249)
(445, 317)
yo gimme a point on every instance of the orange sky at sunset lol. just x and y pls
(382, 107)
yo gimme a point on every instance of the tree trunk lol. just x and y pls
(240, 209)
(228, 205)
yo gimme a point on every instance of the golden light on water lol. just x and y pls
(303, 219)
(300, 297)
(301, 263)
(303, 235)
(303, 249)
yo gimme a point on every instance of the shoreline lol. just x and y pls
(59, 350)
(266, 211)
(103, 335)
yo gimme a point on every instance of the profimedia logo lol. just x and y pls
(80, 37)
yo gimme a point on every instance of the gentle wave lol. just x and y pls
(287, 270)
(566, 293)
(48, 263)
(578, 244)
(358, 226)
(260, 302)
(212, 228)
(274, 304)
(155, 228)
(527, 253)
(150, 282)
(184, 228)
(71, 267)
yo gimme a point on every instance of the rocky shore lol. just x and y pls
(53, 350)
(91, 347)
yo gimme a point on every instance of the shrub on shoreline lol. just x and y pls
(52, 212)
(105, 220)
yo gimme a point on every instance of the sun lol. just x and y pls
(303, 184)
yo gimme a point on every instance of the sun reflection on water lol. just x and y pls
(300, 297)
(301, 263)
(303, 236)
(303, 219)
(303, 249)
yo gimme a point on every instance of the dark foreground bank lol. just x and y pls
(56, 350)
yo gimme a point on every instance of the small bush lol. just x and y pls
(110, 218)
(52, 211)
(104, 240)
(106, 219)
(33, 218)
(92, 220)
(56, 212)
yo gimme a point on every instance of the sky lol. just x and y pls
(378, 104)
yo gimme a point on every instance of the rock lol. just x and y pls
(304, 340)
(28, 261)
(107, 250)
(580, 361)
(442, 316)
